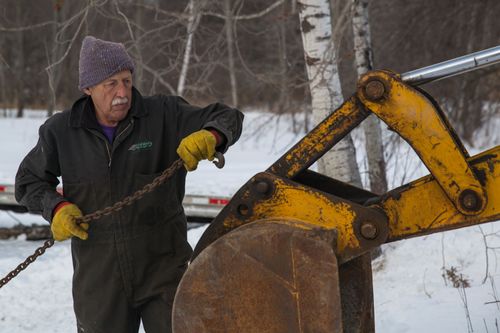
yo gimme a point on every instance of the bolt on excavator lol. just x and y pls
(291, 251)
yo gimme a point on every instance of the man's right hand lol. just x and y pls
(197, 146)
(64, 225)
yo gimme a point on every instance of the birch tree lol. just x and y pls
(371, 126)
(193, 21)
(324, 85)
(284, 100)
(340, 162)
(229, 26)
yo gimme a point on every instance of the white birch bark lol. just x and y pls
(230, 50)
(284, 96)
(371, 126)
(194, 19)
(324, 84)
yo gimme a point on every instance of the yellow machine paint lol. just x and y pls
(416, 119)
(422, 207)
(269, 197)
(269, 239)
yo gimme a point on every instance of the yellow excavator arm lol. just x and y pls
(290, 252)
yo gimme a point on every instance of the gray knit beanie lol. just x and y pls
(100, 59)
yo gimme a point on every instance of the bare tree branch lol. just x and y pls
(29, 27)
(155, 74)
(248, 16)
(85, 13)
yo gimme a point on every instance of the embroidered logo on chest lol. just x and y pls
(145, 145)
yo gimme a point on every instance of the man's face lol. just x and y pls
(112, 98)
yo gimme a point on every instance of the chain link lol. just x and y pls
(97, 215)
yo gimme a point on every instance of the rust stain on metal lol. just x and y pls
(431, 136)
(320, 139)
(422, 207)
(481, 173)
(264, 277)
(293, 201)
(484, 158)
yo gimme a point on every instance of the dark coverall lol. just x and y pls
(129, 267)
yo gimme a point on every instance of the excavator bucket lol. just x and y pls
(290, 252)
(266, 276)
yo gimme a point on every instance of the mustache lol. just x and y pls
(118, 101)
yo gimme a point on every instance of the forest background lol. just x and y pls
(244, 53)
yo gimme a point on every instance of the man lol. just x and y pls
(112, 142)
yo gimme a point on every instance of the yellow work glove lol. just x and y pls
(196, 147)
(64, 225)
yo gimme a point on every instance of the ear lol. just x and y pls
(87, 91)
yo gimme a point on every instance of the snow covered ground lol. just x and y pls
(411, 294)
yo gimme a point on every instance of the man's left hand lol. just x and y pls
(195, 147)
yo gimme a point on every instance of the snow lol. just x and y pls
(17, 137)
(38, 300)
(409, 290)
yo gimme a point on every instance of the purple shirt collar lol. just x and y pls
(109, 132)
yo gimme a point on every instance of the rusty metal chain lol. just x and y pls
(100, 213)
(133, 197)
(25, 263)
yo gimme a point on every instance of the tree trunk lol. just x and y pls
(3, 85)
(55, 51)
(194, 19)
(283, 100)
(230, 50)
(355, 276)
(469, 110)
(2, 93)
(371, 126)
(139, 71)
(324, 83)
(20, 68)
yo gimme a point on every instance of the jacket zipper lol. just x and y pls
(109, 153)
(116, 138)
(126, 128)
